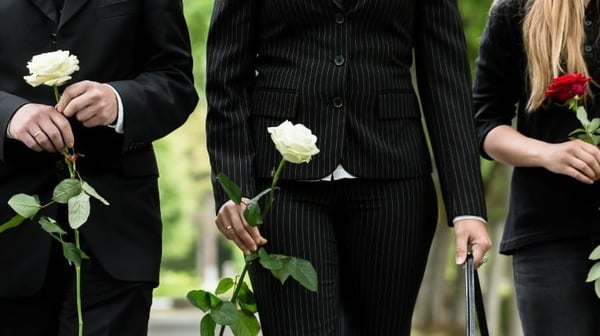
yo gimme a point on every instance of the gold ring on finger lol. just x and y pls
(37, 133)
(228, 227)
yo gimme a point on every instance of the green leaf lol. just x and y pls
(207, 326)
(224, 313)
(594, 124)
(246, 299)
(582, 117)
(79, 210)
(252, 214)
(224, 285)
(246, 325)
(71, 253)
(12, 223)
(199, 299)
(92, 192)
(597, 287)
(595, 255)
(594, 273)
(51, 226)
(25, 205)
(260, 195)
(577, 132)
(283, 272)
(231, 189)
(66, 189)
(304, 272)
(269, 262)
(251, 257)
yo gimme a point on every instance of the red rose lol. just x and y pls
(567, 86)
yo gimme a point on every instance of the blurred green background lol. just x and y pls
(195, 256)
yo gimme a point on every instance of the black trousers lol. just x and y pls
(110, 307)
(552, 295)
(369, 242)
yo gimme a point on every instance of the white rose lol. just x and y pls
(296, 143)
(52, 69)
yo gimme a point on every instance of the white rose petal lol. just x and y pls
(51, 69)
(296, 143)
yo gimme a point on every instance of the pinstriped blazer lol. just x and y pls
(342, 68)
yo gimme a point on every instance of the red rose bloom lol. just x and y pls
(567, 86)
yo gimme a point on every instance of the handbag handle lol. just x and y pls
(474, 300)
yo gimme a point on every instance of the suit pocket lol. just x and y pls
(274, 103)
(116, 9)
(398, 105)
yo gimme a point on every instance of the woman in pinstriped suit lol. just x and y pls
(364, 210)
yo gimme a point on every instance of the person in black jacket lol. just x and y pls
(554, 216)
(134, 85)
(363, 210)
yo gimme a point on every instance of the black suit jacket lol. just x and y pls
(343, 69)
(142, 49)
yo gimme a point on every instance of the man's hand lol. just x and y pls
(92, 103)
(41, 128)
(471, 235)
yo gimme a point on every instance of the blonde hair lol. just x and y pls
(553, 34)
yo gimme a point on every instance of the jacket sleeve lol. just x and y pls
(230, 72)
(9, 104)
(444, 85)
(499, 72)
(161, 97)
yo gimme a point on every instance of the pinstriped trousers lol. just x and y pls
(368, 240)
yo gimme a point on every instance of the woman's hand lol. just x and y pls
(576, 158)
(230, 221)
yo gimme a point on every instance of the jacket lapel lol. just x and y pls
(70, 8)
(47, 7)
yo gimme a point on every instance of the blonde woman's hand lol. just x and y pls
(576, 158)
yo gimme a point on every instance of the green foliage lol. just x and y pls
(197, 13)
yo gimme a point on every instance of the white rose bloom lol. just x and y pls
(51, 69)
(296, 143)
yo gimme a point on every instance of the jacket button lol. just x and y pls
(587, 48)
(339, 18)
(338, 102)
(339, 60)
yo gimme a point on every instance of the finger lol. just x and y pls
(578, 175)
(63, 126)
(43, 140)
(30, 142)
(69, 94)
(592, 158)
(53, 135)
(229, 233)
(478, 255)
(70, 102)
(256, 236)
(88, 116)
(461, 249)
(242, 232)
(581, 166)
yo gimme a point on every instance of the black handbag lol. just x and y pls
(474, 299)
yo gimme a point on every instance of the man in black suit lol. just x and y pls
(363, 211)
(134, 86)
